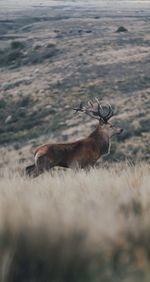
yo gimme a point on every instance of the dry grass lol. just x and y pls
(53, 56)
(76, 226)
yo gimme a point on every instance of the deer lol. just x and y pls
(83, 153)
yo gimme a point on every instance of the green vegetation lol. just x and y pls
(122, 29)
(22, 53)
(21, 123)
(50, 63)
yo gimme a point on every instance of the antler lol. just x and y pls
(86, 110)
(102, 108)
(79, 108)
(102, 112)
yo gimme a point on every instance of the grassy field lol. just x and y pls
(76, 226)
(72, 226)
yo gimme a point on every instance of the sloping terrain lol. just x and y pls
(53, 56)
(74, 225)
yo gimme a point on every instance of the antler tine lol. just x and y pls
(90, 103)
(89, 112)
(97, 101)
(79, 108)
(97, 114)
(101, 111)
(110, 111)
(83, 109)
(99, 108)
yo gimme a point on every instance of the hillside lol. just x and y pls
(66, 225)
(53, 56)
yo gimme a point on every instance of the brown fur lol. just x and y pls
(79, 154)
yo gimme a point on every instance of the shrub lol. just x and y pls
(17, 45)
(121, 29)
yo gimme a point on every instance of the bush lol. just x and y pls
(17, 45)
(121, 29)
(2, 104)
(24, 101)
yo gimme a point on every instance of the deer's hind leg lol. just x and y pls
(43, 164)
(30, 170)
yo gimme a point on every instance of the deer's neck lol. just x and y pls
(101, 140)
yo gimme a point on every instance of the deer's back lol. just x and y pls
(82, 151)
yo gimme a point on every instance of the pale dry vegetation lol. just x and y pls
(54, 55)
(66, 226)
(76, 226)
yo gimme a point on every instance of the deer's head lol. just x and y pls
(102, 112)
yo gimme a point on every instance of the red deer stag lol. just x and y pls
(82, 153)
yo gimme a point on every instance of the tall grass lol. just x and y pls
(76, 226)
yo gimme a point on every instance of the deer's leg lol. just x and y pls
(43, 164)
(75, 165)
(30, 170)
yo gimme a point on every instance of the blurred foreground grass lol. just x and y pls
(76, 226)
